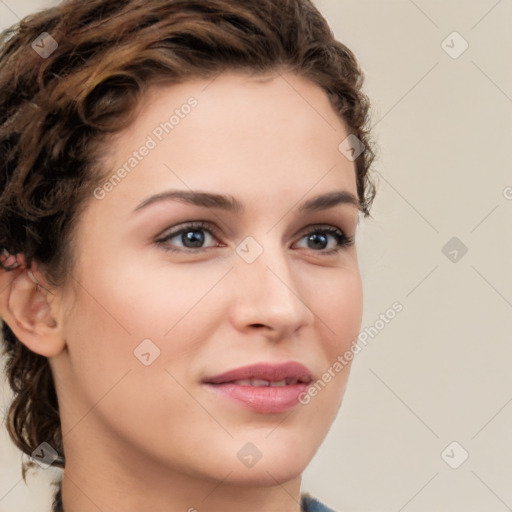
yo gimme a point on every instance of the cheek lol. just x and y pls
(157, 299)
(115, 312)
(340, 310)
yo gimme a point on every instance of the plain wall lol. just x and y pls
(439, 371)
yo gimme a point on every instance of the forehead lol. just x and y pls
(254, 133)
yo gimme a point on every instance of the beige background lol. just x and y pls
(440, 370)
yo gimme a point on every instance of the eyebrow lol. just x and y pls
(231, 204)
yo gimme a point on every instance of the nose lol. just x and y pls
(268, 296)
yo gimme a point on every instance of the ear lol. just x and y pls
(32, 310)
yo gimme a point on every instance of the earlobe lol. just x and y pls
(31, 311)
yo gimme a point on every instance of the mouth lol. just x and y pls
(268, 383)
(264, 387)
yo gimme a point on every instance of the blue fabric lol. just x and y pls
(310, 504)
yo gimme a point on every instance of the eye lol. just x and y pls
(319, 238)
(190, 235)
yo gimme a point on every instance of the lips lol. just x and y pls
(265, 372)
(264, 387)
(263, 382)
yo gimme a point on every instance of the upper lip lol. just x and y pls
(264, 371)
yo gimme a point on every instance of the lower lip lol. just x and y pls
(264, 399)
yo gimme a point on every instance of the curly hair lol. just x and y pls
(57, 111)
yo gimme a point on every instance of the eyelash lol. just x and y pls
(342, 239)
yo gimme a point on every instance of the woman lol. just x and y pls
(181, 184)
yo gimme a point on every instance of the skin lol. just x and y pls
(142, 437)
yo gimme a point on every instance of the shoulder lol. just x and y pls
(310, 504)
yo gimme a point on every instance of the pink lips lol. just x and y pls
(264, 387)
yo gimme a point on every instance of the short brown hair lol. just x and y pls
(57, 111)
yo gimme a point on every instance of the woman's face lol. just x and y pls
(153, 315)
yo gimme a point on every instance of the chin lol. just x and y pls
(253, 462)
(281, 459)
(267, 474)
